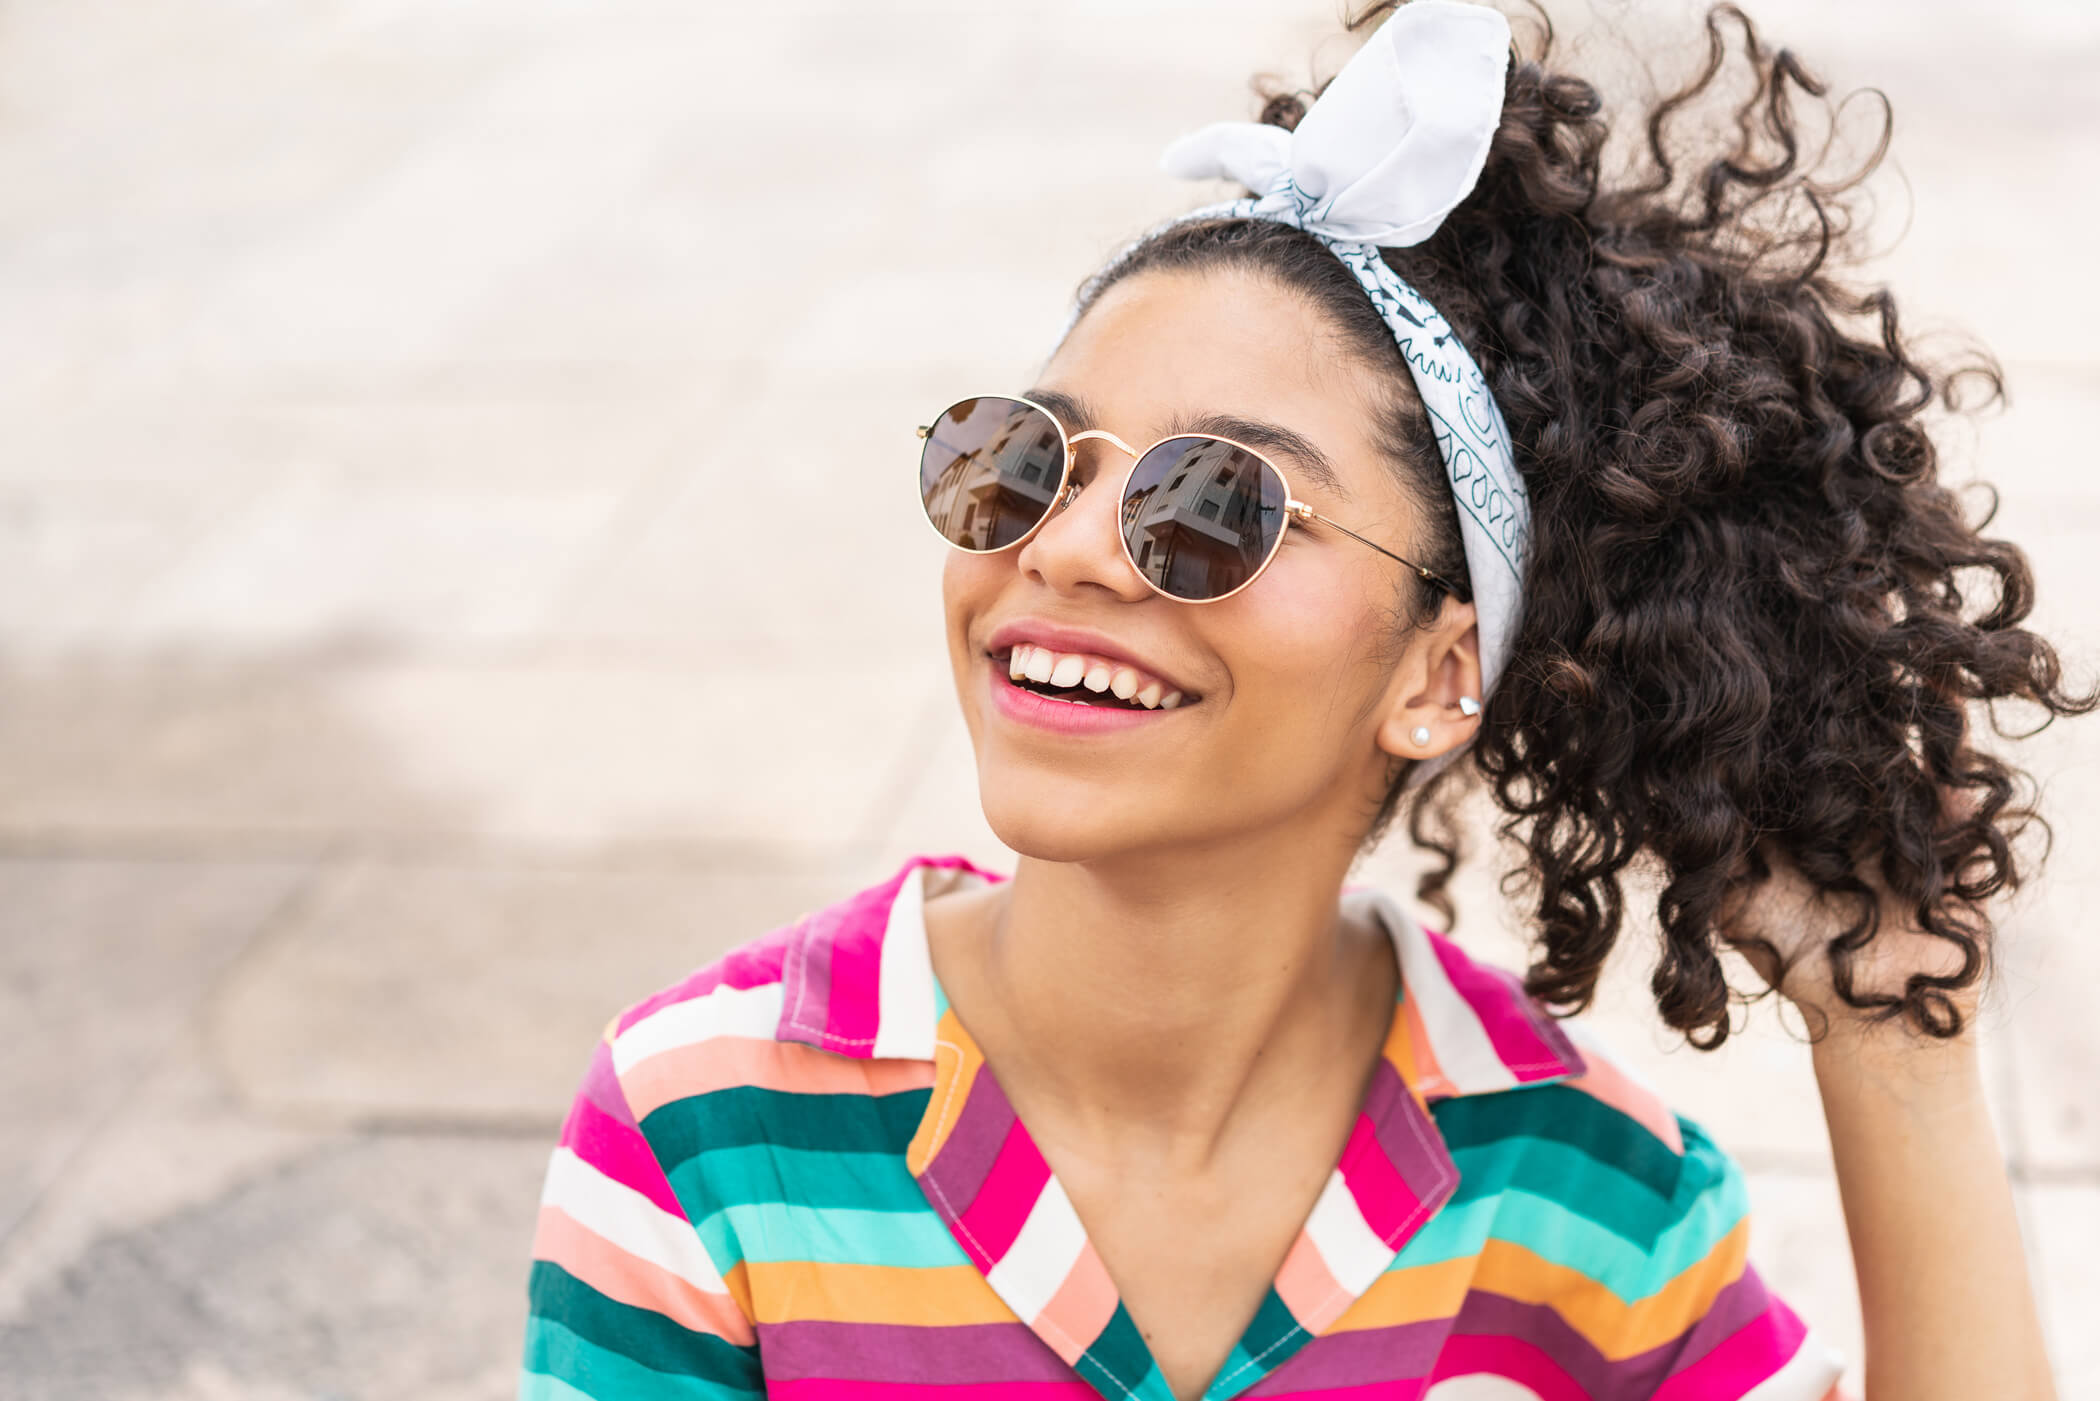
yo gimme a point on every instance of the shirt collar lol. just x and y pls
(858, 981)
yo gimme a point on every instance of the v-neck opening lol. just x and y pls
(984, 1175)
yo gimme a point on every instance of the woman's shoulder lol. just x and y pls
(838, 1000)
(1504, 1075)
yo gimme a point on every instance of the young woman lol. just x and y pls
(1442, 457)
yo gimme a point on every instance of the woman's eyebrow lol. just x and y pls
(1273, 437)
(1078, 415)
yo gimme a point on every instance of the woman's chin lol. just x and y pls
(1051, 822)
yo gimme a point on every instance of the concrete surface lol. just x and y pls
(394, 680)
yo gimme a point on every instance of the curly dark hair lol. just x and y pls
(1755, 619)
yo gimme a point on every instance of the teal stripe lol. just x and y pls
(772, 1232)
(803, 1176)
(643, 1336)
(1272, 1338)
(1620, 1204)
(1555, 1232)
(1119, 1364)
(581, 1366)
(744, 1115)
(538, 1386)
(1561, 1115)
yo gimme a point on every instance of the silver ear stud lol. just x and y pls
(1421, 735)
(1468, 706)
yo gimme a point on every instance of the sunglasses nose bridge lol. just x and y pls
(1105, 436)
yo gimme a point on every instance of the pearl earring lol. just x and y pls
(1468, 706)
(1421, 735)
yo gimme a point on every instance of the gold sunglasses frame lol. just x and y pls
(1068, 490)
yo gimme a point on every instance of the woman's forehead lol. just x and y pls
(1225, 352)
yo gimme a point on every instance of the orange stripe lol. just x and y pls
(1617, 1329)
(790, 1291)
(1410, 1039)
(728, 1062)
(630, 1280)
(956, 1063)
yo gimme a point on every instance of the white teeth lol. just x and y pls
(1066, 670)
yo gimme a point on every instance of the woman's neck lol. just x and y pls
(1161, 996)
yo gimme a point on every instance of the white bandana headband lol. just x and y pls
(1393, 144)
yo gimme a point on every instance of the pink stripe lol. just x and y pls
(1010, 1191)
(1494, 1356)
(1750, 1354)
(1499, 1002)
(619, 1152)
(753, 965)
(1398, 1389)
(854, 1007)
(1382, 1195)
(828, 1389)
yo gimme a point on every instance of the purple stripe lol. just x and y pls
(1358, 1358)
(805, 983)
(601, 1086)
(960, 1354)
(1409, 1350)
(1409, 1137)
(1744, 1299)
(956, 1174)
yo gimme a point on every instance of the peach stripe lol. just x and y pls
(1309, 1289)
(1428, 1077)
(956, 1063)
(791, 1291)
(1637, 1102)
(731, 1061)
(623, 1278)
(1080, 1309)
(1616, 1328)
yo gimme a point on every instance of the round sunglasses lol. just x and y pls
(1200, 516)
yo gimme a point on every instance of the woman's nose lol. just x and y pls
(1080, 545)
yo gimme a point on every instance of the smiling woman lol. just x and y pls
(1462, 462)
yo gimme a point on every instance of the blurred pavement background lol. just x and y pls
(400, 408)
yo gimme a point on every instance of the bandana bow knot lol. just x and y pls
(1393, 144)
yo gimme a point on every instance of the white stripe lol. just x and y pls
(1480, 1386)
(726, 1011)
(1808, 1375)
(1354, 1254)
(617, 1213)
(1042, 1255)
(1456, 1037)
(904, 1027)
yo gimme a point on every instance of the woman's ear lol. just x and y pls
(1432, 705)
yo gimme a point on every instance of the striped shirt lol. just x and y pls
(793, 1175)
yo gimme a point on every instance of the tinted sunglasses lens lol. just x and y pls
(989, 471)
(1201, 516)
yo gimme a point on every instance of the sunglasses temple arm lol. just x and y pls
(1436, 579)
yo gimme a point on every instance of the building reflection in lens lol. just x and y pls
(1199, 515)
(990, 471)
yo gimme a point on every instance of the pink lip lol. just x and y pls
(1062, 717)
(1064, 639)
